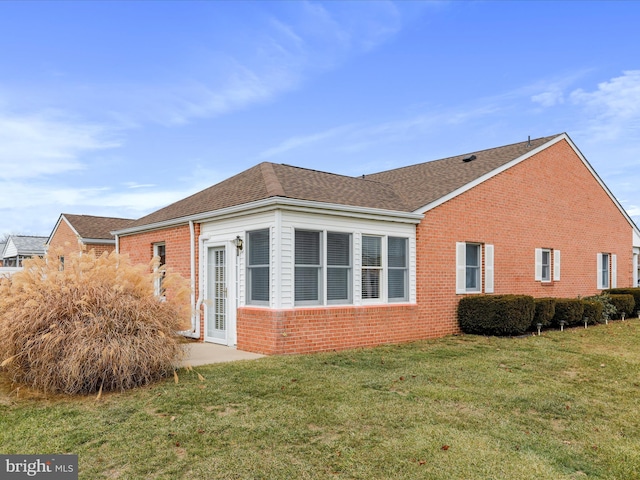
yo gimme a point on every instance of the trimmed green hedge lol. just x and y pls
(570, 310)
(592, 311)
(626, 291)
(545, 309)
(496, 314)
(623, 303)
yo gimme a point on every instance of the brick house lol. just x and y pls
(286, 260)
(77, 233)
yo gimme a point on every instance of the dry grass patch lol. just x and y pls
(91, 325)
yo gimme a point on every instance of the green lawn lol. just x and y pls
(565, 405)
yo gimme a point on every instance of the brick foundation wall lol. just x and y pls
(550, 200)
(303, 330)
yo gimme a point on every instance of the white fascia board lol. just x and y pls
(524, 157)
(280, 202)
(98, 241)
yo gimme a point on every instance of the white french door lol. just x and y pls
(216, 304)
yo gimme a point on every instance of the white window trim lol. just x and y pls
(612, 271)
(554, 267)
(405, 269)
(487, 252)
(323, 287)
(248, 267)
(382, 284)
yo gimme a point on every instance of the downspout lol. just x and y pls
(117, 243)
(195, 307)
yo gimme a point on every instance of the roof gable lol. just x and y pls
(93, 227)
(425, 183)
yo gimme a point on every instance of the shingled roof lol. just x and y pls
(404, 189)
(267, 180)
(96, 228)
(25, 245)
(421, 184)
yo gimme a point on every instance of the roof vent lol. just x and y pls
(469, 158)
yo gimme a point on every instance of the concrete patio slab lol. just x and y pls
(199, 353)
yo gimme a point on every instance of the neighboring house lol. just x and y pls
(21, 247)
(77, 233)
(2, 245)
(286, 260)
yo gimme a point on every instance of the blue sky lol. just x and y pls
(120, 108)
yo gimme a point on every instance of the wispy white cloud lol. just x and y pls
(285, 49)
(613, 108)
(549, 98)
(47, 143)
(303, 141)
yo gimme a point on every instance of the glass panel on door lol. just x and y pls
(216, 294)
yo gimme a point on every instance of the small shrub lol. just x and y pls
(608, 308)
(94, 325)
(496, 314)
(568, 309)
(626, 291)
(623, 303)
(592, 311)
(545, 309)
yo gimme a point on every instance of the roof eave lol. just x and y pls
(98, 241)
(278, 202)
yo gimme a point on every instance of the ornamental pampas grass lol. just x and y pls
(92, 325)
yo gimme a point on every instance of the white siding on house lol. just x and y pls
(282, 224)
(292, 220)
(10, 250)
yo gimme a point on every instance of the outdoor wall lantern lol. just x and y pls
(238, 243)
(539, 325)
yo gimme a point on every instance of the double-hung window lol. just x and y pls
(469, 267)
(473, 267)
(258, 267)
(397, 261)
(339, 267)
(607, 270)
(322, 267)
(371, 267)
(308, 270)
(385, 268)
(547, 265)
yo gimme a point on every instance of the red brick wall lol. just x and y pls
(177, 240)
(139, 248)
(66, 239)
(550, 200)
(303, 330)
